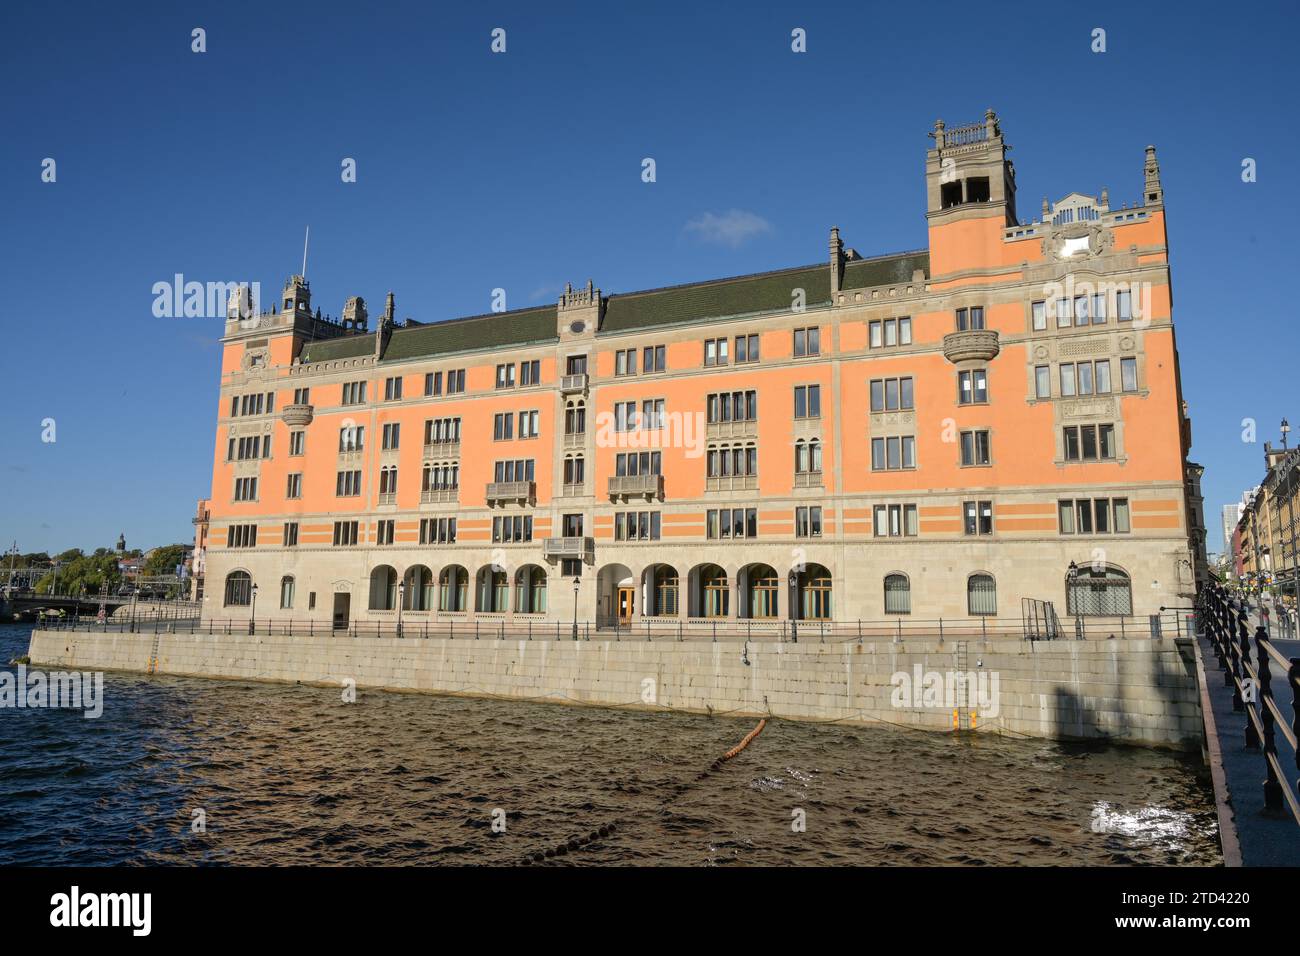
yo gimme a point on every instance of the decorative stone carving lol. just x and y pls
(1063, 243)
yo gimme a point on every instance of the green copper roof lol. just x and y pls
(477, 332)
(885, 270)
(743, 295)
(328, 350)
(673, 305)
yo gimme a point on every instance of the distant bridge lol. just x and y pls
(29, 606)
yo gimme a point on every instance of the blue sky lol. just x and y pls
(522, 171)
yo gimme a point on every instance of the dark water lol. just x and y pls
(289, 774)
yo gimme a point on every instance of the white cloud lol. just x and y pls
(733, 228)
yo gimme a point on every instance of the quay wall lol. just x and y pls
(1130, 691)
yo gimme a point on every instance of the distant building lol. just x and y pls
(197, 557)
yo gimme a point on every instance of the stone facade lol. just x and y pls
(1128, 691)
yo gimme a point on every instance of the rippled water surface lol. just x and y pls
(291, 774)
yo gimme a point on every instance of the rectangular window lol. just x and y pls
(528, 424)
(294, 488)
(1121, 515)
(1106, 438)
(432, 383)
(978, 517)
(746, 348)
(1067, 379)
(808, 522)
(1083, 515)
(290, 539)
(1081, 311)
(893, 453)
(1071, 443)
(652, 413)
(876, 340)
(1099, 309)
(625, 362)
(970, 318)
(345, 533)
(891, 394)
(455, 381)
(807, 401)
(347, 484)
(503, 426)
(241, 536)
(715, 352)
(1065, 511)
(1128, 374)
(624, 416)
(636, 526)
(392, 436)
(1064, 314)
(653, 358)
(297, 442)
(1039, 311)
(1124, 306)
(384, 531)
(807, 341)
(530, 372)
(1085, 378)
(506, 375)
(1102, 374)
(245, 489)
(1043, 381)
(892, 521)
(392, 389)
(354, 393)
(972, 387)
(352, 438)
(302, 396)
(975, 448)
(520, 469)
(437, 531)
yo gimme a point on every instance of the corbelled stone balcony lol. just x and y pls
(296, 415)
(973, 345)
(570, 384)
(624, 486)
(521, 491)
(582, 548)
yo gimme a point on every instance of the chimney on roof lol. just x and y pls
(837, 260)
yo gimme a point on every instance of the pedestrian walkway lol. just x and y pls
(1252, 832)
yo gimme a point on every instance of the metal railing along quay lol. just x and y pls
(1226, 622)
(500, 627)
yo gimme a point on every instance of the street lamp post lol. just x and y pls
(252, 613)
(401, 600)
(577, 583)
(1290, 504)
(794, 620)
(1072, 597)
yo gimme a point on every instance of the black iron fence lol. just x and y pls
(1226, 621)
(1030, 627)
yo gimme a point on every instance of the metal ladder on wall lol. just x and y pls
(961, 717)
(153, 653)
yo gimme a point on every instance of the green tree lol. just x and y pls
(81, 572)
(164, 560)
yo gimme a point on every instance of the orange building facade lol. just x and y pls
(929, 434)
